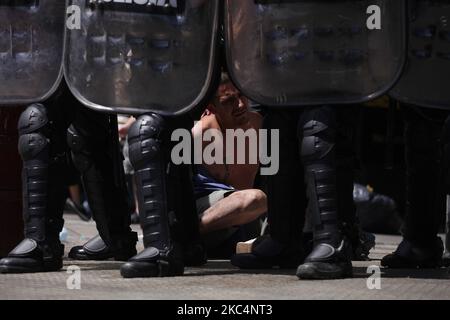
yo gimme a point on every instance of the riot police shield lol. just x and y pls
(31, 49)
(425, 79)
(304, 52)
(142, 56)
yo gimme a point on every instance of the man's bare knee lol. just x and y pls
(251, 200)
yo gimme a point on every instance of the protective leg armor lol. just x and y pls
(43, 197)
(331, 254)
(148, 155)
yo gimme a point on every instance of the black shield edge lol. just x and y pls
(364, 99)
(139, 111)
(418, 102)
(52, 90)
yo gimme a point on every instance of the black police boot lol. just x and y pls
(362, 242)
(43, 198)
(149, 155)
(96, 249)
(410, 256)
(267, 253)
(95, 153)
(446, 255)
(286, 203)
(446, 259)
(331, 254)
(31, 256)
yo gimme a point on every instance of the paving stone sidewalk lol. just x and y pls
(219, 280)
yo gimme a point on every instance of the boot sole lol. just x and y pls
(116, 257)
(139, 270)
(12, 270)
(145, 270)
(446, 259)
(317, 271)
(92, 258)
(19, 269)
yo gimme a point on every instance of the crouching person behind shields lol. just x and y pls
(227, 203)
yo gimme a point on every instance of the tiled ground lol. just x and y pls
(220, 280)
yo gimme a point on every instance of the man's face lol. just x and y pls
(230, 105)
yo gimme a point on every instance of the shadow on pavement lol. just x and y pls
(88, 265)
(223, 267)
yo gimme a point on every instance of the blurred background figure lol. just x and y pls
(125, 123)
(76, 200)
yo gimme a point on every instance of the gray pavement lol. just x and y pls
(219, 280)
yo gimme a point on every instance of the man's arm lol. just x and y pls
(205, 123)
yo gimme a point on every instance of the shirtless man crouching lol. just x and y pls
(227, 203)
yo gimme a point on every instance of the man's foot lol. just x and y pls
(266, 253)
(78, 209)
(327, 262)
(96, 249)
(409, 255)
(154, 263)
(31, 257)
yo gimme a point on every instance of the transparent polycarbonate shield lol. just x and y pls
(136, 58)
(294, 52)
(31, 49)
(426, 78)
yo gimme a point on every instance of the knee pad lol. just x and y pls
(80, 153)
(33, 146)
(32, 125)
(317, 133)
(145, 139)
(33, 119)
(313, 145)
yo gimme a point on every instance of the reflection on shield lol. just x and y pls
(31, 49)
(426, 78)
(308, 52)
(128, 60)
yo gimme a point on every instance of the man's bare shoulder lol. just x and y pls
(208, 122)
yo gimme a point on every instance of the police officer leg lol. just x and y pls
(94, 152)
(43, 195)
(181, 200)
(360, 241)
(425, 199)
(286, 203)
(446, 162)
(149, 154)
(331, 255)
